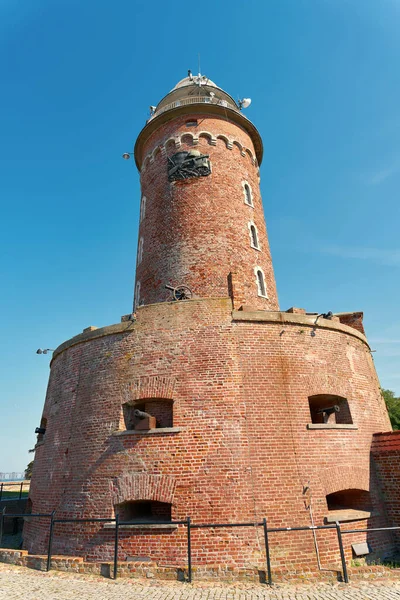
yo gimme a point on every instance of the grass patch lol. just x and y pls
(13, 495)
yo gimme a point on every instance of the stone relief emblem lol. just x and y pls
(184, 165)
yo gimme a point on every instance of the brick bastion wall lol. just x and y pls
(386, 456)
(242, 445)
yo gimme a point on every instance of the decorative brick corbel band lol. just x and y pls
(143, 486)
(212, 140)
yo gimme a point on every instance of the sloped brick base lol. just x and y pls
(151, 570)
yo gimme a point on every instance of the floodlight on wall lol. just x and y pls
(44, 351)
(244, 103)
(127, 155)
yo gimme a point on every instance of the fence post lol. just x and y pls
(20, 490)
(342, 556)
(2, 523)
(189, 550)
(267, 551)
(116, 545)
(50, 541)
(1, 491)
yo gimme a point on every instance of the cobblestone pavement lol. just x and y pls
(19, 583)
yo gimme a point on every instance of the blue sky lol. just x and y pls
(77, 79)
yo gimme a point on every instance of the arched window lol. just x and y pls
(253, 236)
(142, 208)
(262, 290)
(140, 251)
(248, 197)
(137, 295)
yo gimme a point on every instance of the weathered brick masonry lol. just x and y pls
(236, 386)
(386, 457)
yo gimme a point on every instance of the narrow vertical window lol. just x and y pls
(137, 295)
(248, 198)
(140, 251)
(262, 290)
(254, 236)
(142, 208)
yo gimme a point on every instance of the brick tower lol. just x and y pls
(201, 218)
(208, 402)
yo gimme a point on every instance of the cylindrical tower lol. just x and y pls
(219, 407)
(201, 218)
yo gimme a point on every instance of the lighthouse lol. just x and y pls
(207, 400)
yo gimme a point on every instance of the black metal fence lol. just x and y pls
(190, 526)
(18, 493)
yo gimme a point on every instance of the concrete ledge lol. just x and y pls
(284, 318)
(330, 426)
(345, 515)
(146, 432)
(156, 526)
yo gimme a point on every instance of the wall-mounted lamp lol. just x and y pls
(127, 155)
(45, 351)
(244, 103)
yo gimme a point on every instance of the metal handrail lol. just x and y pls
(194, 100)
(190, 526)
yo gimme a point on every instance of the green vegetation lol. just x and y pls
(393, 406)
(15, 494)
(28, 470)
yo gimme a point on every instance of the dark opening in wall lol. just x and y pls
(348, 505)
(357, 499)
(144, 510)
(159, 408)
(327, 408)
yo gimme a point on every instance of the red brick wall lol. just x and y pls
(195, 232)
(240, 388)
(386, 456)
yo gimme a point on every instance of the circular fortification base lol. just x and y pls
(236, 433)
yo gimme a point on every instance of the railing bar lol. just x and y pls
(216, 525)
(2, 523)
(116, 546)
(50, 546)
(369, 529)
(267, 554)
(342, 555)
(189, 550)
(25, 515)
(85, 521)
(309, 528)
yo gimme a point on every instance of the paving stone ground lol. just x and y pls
(19, 583)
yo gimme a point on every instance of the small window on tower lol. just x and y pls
(254, 236)
(262, 290)
(192, 123)
(248, 198)
(140, 251)
(137, 295)
(142, 208)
